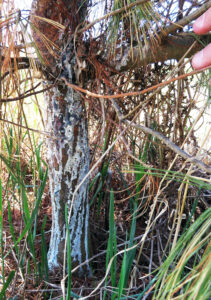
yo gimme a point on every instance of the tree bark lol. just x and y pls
(68, 149)
(68, 160)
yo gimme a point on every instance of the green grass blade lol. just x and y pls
(96, 193)
(1, 234)
(44, 260)
(112, 243)
(34, 213)
(122, 275)
(6, 284)
(11, 225)
(112, 237)
(130, 255)
(171, 274)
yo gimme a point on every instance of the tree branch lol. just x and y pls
(186, 20)
(169, 46)
(173, 47)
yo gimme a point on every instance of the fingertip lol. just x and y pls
(199, 24)
(197, 61)
(203, 23)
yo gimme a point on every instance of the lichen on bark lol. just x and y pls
(68, 153)
(68, 149)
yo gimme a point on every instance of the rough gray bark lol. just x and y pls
(68, 149)
(68, 159)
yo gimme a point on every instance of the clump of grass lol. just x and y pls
(185, 273)
(17, 197)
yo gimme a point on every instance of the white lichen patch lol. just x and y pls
(55, 186)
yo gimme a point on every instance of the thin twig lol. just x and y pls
(27, 128)
(26, 95)
(122, 95)
(172, 146)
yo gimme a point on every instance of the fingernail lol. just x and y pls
(198, 60)
(200, 21)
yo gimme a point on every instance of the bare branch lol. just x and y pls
(186, 20)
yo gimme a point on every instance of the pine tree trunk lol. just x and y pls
(68, 149)
(68, 159)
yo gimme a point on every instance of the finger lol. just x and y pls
(202, 59)
(203, 23)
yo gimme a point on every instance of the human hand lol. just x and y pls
(202, 25)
